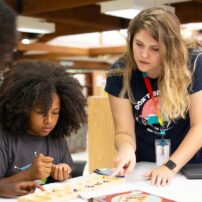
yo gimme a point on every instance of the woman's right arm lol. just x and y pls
(124, 134)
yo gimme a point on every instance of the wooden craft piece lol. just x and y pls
(67, 191)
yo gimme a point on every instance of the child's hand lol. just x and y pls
(41, 167)
(61, 172)
(23, 188)
(18, 189)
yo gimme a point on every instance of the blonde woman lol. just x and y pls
(155, 97)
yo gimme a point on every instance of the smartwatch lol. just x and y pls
(170, 164)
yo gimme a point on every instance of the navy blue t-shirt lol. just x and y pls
(146, 133)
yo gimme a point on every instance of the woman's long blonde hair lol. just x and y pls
(175, 76)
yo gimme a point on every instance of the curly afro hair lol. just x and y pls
(29, 82)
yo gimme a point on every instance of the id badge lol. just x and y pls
(162, 149)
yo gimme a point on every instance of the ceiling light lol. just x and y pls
(34, 25)
(127, 13)
(130, 8)
(25, 41)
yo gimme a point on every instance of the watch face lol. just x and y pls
(170, 164)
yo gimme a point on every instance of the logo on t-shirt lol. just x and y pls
(146, 113)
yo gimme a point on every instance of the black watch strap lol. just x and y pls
(170, 164)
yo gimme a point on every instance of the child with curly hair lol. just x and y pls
(40, 104)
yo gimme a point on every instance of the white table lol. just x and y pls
(181, 189)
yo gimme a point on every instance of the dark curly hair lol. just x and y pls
(29, 82)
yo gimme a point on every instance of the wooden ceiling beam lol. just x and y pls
(188, 12)
(74, 64)
(86, 16)
(47, 37)
(107, 50)
(71, 51)
(68, 29)
(63, 29)
(89, 65)
(48, 56)
(41, 6)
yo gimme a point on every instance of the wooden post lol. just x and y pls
(101, 149)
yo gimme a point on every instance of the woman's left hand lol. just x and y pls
(61, 172)
(160, 176)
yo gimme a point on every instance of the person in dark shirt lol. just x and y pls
(40, 104)
(155, 97)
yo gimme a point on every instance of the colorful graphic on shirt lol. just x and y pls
(149, 111)
(146, 113)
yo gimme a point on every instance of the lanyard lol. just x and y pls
(149, 89)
